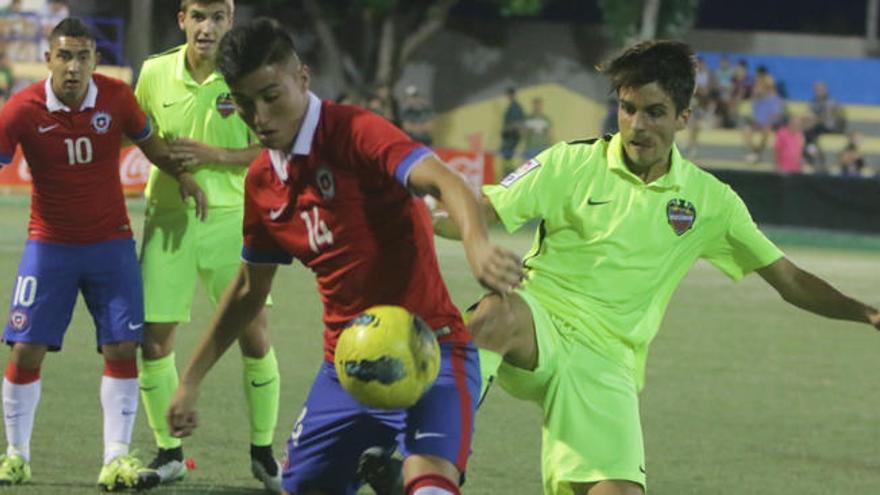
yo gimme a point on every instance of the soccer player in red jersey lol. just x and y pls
(70, 128)
(335, 191)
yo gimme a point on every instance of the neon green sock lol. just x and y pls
(158, 381)
(262, 387)
(490, 361)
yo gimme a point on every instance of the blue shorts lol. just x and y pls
(51, 275)
(333, 429)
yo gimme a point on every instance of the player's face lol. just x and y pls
(205, 25)
(71, 62)
(272, 100)
(648, 122)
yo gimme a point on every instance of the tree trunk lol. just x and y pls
(385, 55)
(333, 64)
(434, 22)
(650, 13)
(138, 40)
(871, 25)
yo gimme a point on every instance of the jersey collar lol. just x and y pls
(302, 145)
(672, 180)
(53, 104)
(183, 75)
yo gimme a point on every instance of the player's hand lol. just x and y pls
(182, 416)
(875, 319)
(494, 267)
(190, 152)
(189, 188)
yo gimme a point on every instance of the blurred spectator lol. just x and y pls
(54, 12)
(21, 32)
(767, 113)
(723, 93)
(417, 116)
(536, 130)
(789, 146)
(609, 122)
(702, 107)
(826, 115)
(511, 131)
(7, 78)
(383, 103)
(851, 161)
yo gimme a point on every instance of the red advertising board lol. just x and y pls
(475, 166)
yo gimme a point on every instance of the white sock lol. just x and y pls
(19, 407)
(432, 490)
(119, 398)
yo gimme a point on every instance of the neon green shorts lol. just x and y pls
(178, 249)
(592, 431)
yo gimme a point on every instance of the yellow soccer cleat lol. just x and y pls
(14, 470)
(127, 472)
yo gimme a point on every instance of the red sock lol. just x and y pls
(21, 376)
(431, 484)
(124, 368)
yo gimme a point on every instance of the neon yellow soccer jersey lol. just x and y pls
(610, 250)
(182, 108)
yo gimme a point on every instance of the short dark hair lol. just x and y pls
(248, 47)
(72, 27)
(671, 64)
(186, 4)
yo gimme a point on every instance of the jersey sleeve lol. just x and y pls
(386, 146)
(8, 132)
(259, 246)
(533, 190)
(740, 248)
(137, 124)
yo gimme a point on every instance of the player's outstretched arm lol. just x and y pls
(191, 153)
(240, 304)
(495, 267)
(807, 291)
(158, 152)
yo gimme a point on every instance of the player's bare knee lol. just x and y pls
(158, 340)
(420, 465)
(254, 342)
(120, 351)
(27, 356)
(490, 325)
(608, 487)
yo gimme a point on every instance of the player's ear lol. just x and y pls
(181, 16)
(681, 121)
(305, 75)
(47, 55)
(97, 58)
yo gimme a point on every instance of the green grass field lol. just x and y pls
(745, 394)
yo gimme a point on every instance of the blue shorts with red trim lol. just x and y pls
(51, 275)
(333, 429)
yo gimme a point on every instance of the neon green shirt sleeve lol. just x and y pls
(533, 190)
(742, 247)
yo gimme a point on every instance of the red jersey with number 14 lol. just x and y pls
(338, 203)
(73, 156)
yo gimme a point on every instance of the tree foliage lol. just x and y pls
(623, 18)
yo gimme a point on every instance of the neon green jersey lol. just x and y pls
(610, 250)
(180, 108)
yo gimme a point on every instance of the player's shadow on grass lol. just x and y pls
(189, 488)
(73, 487)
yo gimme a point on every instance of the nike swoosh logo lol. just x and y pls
(13, 416)
(149, 389)
(420, 435)
(642, 469)
(134, 327)
(257, 384)
(275, 214)
(127, 412)
(167, 104)
(44, 130)
(593, 202)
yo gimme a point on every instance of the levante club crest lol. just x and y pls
(680, 214)
(224, 105)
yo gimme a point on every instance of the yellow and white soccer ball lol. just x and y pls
(387, 358)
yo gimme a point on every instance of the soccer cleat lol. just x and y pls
(265, 468)
(127, 472)
(381, 470)
(169, 465)
(14, 470)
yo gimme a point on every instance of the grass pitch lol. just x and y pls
(745, 394)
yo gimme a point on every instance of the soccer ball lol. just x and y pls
(387, 358)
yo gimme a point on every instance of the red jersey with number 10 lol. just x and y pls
(337, 202)
(73, 156)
